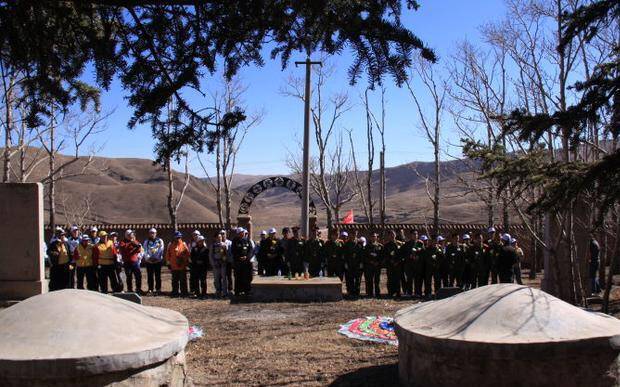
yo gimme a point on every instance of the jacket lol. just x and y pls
(130, 250)
(153, 250)
(83, 256)
(104, 253)
(177, 255)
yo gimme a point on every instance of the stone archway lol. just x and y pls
(243, 216)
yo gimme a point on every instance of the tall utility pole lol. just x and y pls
(305, 195)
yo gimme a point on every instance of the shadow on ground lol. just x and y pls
(381, 375)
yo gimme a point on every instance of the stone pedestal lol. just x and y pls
(505, 335)
(245, 221)
(265, 289)
(82, 338)
(22, 246)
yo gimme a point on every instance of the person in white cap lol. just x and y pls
(506, 259)
(260, 269)
(195, 236)
(153, 257)
(199, 259)
(131, 252)
(93, 233)
(268, 254)
(443, 269)
(219, 255)
(60, 261)
(83, 257)
(73, 240)
(229, 268)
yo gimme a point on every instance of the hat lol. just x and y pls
(513, 241)
(440, 238)
(93, 228)
(506, 237)
(113, 233)
(196, 233)
(200, 238)
(152, 230)
(240, 230)
(178, 234)
(263, 232)
(491, 230)
(128, 232)
(466, 237)
(272, 231)
(222, 231)
(85, 237)
(103, 233)
(423, 238)
(361, 239)
(59, 229)
(344, 234)
(74, 228)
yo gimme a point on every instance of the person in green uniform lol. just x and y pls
(394, 264)
(468, 271)
(476, 253)
(295, 256)
(494, 246)
(443, 270)
(506, 259)
(332, 250)
(411, 264)
(313, 253)
(454, 254)
(351, 257)
(373, 261)
(432, 256)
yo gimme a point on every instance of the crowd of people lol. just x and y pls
(414, 265)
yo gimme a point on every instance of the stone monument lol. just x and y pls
(22, 246)
(82, 338)
(506, 335)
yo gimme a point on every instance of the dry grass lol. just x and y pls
(284, 343)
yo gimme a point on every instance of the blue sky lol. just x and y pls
(440, 23)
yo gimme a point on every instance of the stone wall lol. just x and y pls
(21, 244)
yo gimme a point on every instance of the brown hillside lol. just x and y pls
(125, 190)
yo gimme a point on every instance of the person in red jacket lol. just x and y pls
(131, 252)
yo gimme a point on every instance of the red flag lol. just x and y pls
(349, 218)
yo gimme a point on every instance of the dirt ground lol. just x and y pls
(275, 344)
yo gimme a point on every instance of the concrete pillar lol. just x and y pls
(245, 221)
(22, 246)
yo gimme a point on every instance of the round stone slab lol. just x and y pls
(507, 335)
(76, 333)
(505, 313)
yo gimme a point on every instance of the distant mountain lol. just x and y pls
(126, 190)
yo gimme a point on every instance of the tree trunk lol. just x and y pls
(218, 184)
(172, 211)
(51, 188)
(329, 216)
(8, 126)
(436, 201)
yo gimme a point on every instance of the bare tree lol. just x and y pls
(174, 199)
(431, 124)
(370, 148)
(226, 100)
(71, 131)
(78, 212)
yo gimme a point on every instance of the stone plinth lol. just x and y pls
(78, 337)
(505, 335)
(283, 289)
(21, 246)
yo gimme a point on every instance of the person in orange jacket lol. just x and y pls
(177, 259)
